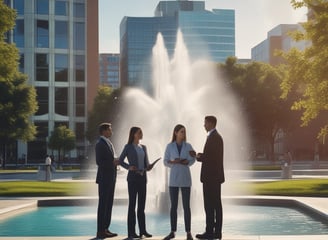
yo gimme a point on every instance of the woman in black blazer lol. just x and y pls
(138, 165)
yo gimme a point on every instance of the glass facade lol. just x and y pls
(61, 101)
(19, 6)
(42, 7)
(61, 8)
(19, 33)
(209, 34)
(43, 100)
(42, 67)
(61, 67)
(138, 36)
(109, 65)
(42, 33)
(79, 36)
(52, 39)
(79, 67)
(61, 34)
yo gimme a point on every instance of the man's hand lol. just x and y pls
(116, 162)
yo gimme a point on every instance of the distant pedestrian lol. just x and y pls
(48, 168)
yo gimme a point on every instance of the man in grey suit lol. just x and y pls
(106, 179)
(212, 176)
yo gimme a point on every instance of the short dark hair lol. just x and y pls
(211, 119)
(103, 127)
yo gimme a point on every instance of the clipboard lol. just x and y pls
(153, 163)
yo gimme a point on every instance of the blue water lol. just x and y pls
(238, 220)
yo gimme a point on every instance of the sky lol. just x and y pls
(253, 19)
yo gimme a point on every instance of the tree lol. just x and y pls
(17, 98)
(62, 139)
(258, 87)
(307, 70)
(103, 110)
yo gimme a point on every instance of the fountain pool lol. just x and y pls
(238, 220)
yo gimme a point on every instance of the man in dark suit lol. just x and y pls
(212, 176)
(106, 179)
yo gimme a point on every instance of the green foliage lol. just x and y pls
(307, 70)
(258, 87)
(102, 110)
(7, 19)
(62, 139)
(17, 98)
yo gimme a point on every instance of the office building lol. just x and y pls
(58, 45)
(278, 39)
(207, 34)
(109, 69)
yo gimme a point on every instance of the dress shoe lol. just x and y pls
(102, 235)
(189, 236)
(134, 235)
(170, 236)
(205, 235)
(217, 235)
(110, 234)
(146, 235)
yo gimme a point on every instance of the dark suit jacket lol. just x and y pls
(104, 158)
(130, 153)
(212, 159)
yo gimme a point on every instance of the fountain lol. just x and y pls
(185, 91)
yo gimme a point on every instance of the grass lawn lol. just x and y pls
(43, 189)
(303, 188)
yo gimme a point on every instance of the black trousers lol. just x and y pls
(105, 205)
(213, 207)
(174, 196)
(137, 189)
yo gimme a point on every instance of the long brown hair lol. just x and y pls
(176, 129)
(133, 131)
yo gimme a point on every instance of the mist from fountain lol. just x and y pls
(185, 92)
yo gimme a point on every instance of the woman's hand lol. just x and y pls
(184, 161)
(133, 168)
(192, 153)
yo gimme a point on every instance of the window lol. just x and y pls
(79, 36)
(61, 101)
(61, 34)
(61, 68)
(80, 100)
(19, 33)
(79, 131)
(42, 7)
(42, 67)
(78, 10)
(42, 98)
(79, 66)
(61, 8)
(19, 6)
(42, 38)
